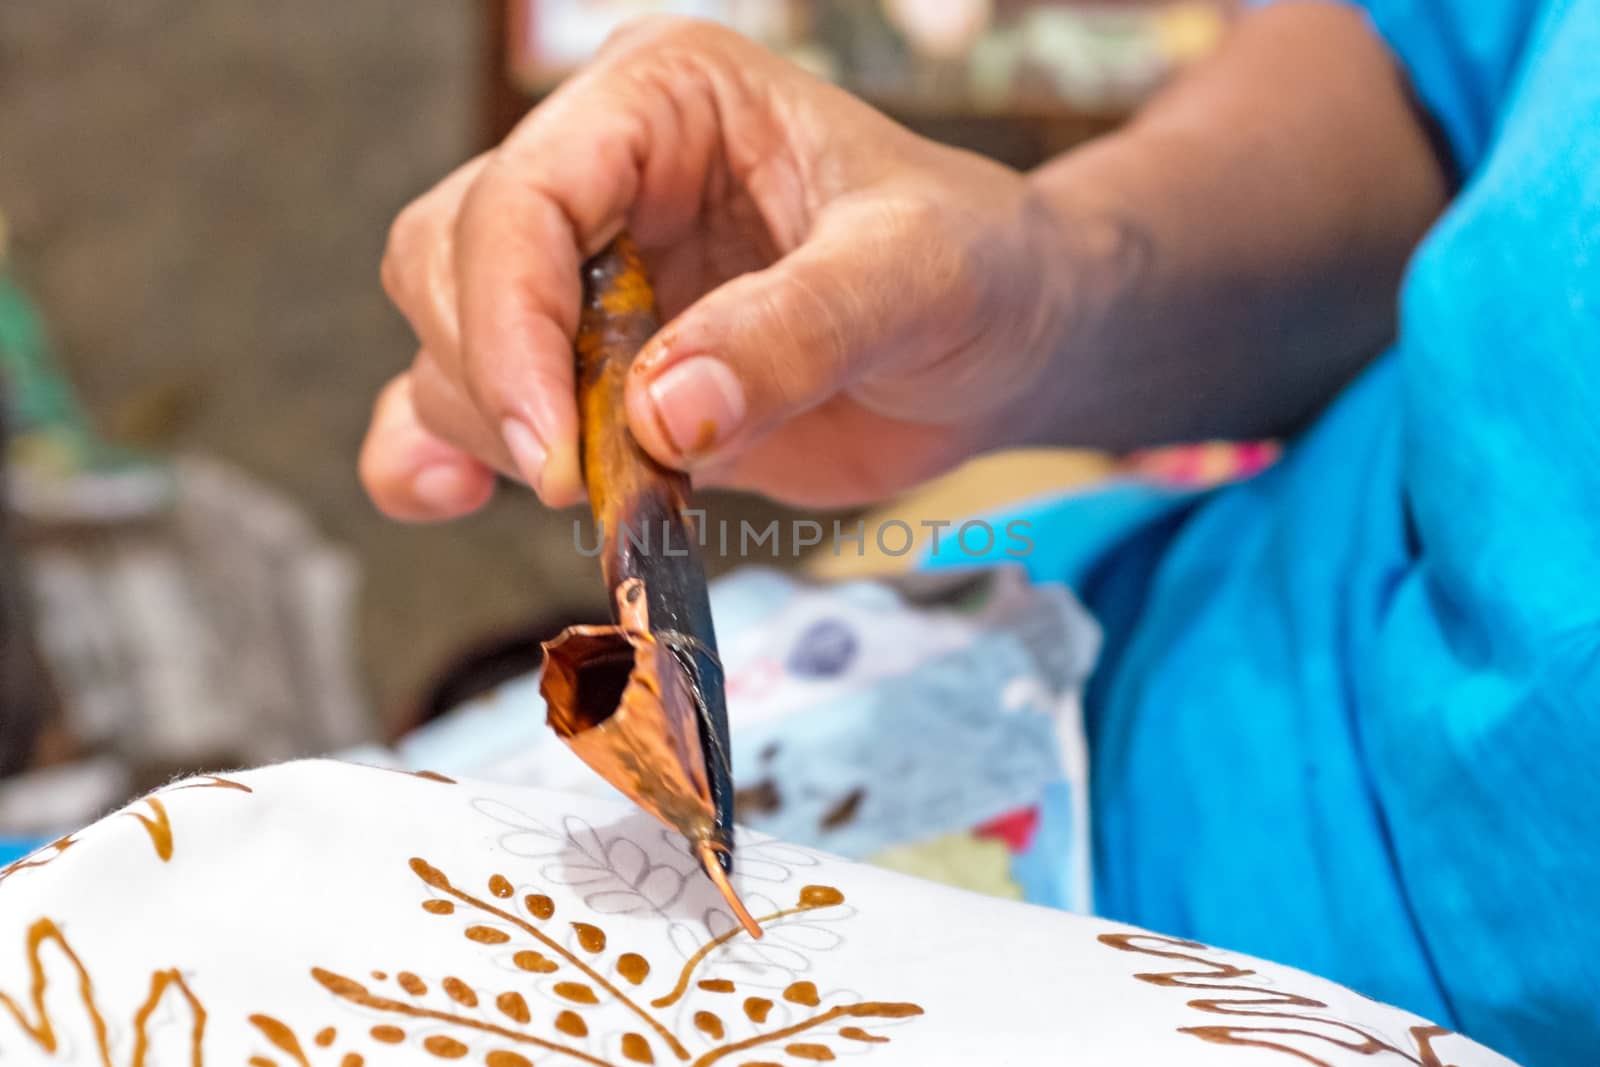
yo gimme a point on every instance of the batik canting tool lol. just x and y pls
(641, 701)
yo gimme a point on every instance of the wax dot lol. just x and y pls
(529, 960)
(460, 992)
(802, 993)
(855, 1033)
(512, 1005)
(591, 937)
(820, 896)
(634, 967)
(637, 1049)
(576, 992)
(804, 1051)
(446, 1048)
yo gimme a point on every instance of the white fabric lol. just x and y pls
(290, 915)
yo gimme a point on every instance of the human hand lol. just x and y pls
(850, 309)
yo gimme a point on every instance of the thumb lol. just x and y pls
(764, 348)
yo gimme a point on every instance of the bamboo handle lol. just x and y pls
(639, 505)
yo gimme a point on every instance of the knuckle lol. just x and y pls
(371, 465)
(832, 317)
(400, 249)
(394, 394)
(370, 471)
(482, 209)
(949, 271)
(813, 323)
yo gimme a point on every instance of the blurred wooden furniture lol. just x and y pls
(217, 632)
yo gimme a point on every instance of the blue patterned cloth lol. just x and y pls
(932, 724)
(1348, 715)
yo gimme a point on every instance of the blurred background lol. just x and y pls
(194, 201)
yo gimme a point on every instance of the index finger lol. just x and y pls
(630, 138)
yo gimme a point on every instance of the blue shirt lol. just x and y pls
(1348, 716)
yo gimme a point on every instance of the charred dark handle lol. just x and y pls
(639, 505)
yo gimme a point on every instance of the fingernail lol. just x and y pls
(440, 486)
(526, 451)
(699, 403)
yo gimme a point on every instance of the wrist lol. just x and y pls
(1083, 262)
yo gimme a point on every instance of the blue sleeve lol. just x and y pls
(1487, 752)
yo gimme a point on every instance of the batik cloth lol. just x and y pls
(328, 915)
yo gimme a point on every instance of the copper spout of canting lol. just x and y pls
(709, 860)
(625, 704)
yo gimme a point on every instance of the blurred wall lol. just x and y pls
(199, 195)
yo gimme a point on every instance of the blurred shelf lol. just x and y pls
(1028, 79)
